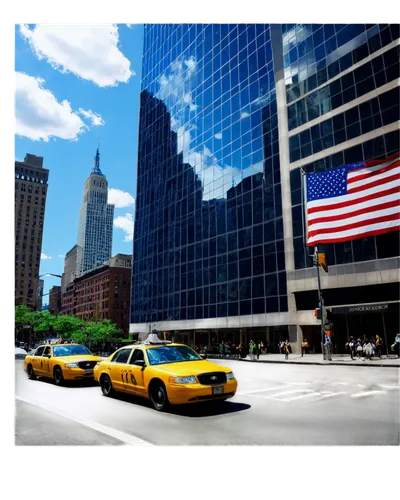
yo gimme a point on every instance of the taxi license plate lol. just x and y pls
(89, 372)
(218, 390)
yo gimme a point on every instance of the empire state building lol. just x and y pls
(95, 221)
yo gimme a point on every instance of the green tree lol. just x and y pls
(102, 331)
(22, 319)
(68, 327)
(43, 322)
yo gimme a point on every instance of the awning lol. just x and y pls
(375, 307)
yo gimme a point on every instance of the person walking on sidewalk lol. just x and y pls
(368, 351)
(378, 345)
(258, 349)
(328, 347)
(359, 348)
(286, 348)
(251, 349)
(351, 345)
(304, 346)
(397, 345)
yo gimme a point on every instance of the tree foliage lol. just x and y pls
(23, 315)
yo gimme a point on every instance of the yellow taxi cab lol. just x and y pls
(166, 373)
(61, 362)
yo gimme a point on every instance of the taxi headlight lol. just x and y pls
(183, 380)
(71, 365)
(229, 376)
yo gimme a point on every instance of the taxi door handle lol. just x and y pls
(109, 367)
(130, 371)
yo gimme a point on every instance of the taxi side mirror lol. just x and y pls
(203, 356)
(140, 362)
(47, 356)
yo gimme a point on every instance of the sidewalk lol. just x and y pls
(316, 359)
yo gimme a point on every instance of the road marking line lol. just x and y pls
(325, 394)
(292, 392)
(360, 385)
(389, 386)
(122, 436)
(339, 383)
(298, 383)
(367, 393)
(262, 390)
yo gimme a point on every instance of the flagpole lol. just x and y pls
(315, 256)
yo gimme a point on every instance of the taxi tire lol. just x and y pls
(158, 396)
(58, 376)
(106, 389)
(31, 373)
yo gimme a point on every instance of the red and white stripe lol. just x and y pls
(370, 207)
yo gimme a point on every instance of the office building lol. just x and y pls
(95, 222)
(229, 115)
(30, 203)
(102, 293)
(55, 300)
(72, 258)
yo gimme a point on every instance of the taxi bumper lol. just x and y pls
(195, 393)
(77, 374)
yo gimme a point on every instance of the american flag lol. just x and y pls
(354, 201)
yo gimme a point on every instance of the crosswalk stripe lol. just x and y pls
(366, 393)
(325, 394)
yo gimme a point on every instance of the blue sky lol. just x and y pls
(98, 72)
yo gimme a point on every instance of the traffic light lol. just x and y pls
(317, 313)
(322, 262)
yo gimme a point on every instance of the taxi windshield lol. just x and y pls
(70, 350)
(171, 354)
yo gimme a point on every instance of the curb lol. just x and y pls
(321, 363)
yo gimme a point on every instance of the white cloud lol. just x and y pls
(95, 118)
(61, 255)
(130, 26)
(218, 136)
(193, 107)
(244, 114)
(125, 222)
(120, 198)
(89, 51)
(38, 114)
(45, 257)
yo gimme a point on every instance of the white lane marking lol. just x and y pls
(298, 383)
(292, 392)
(262, 390)
(325, 394)
(389, 386)
(122, 436)
(366, 393)
(360, 385)
(339, 383)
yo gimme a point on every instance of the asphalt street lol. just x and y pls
(275, 404)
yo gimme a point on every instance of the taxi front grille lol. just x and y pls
(87, 365)
(212, 378)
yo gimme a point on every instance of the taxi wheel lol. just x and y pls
(106, 385)
(158, 396)
(31, 374)
(58, 376)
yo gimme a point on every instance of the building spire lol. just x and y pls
(96, 168)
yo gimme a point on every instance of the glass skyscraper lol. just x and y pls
(95, 222)
(229, 114)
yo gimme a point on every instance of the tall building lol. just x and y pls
(30, 203)
(339, 105)
(229, 115)
(95, 221)
(102, 293)
(72, 258)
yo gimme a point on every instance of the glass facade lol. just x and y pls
(208, 239)
(326, 67)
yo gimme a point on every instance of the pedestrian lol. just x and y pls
(379, 346)
(221, 349)
(372, 342)
(262, 347)
(359, 348)
(351, 346)
(251, 349)
(286, 347)
(258, 349)
(304, 346)
(368, 351)
(328, 347)
(397, 345)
